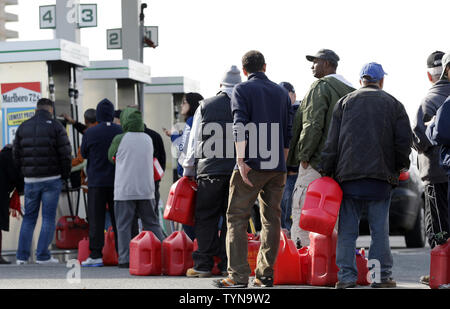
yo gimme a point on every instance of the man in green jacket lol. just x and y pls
(310, 129)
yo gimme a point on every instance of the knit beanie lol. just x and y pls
(232, 77)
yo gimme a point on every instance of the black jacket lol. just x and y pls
(369, 137)
(95, 145)
(428, 158)
(42, 147)
(217, 111)
(10, 179)
(158, 146)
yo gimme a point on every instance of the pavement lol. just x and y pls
(409, 265)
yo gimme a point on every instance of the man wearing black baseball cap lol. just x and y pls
(310, 129)
(433, 176)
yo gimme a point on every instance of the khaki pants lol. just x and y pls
(304, 178)
(268, 187)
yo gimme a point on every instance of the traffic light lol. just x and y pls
(5, 18)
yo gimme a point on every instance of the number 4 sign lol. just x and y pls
(87, 16)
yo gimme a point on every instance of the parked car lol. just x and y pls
(407, 211)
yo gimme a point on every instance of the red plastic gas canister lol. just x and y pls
(83, 249)
(322, 250)
(177, 254)
(363, 270)
(440, 265)
(181, 202)
(145, 255)
(253, 248)
(110, 257)
(69, 231)
(321, 208)
(215, 271)
(287, 267)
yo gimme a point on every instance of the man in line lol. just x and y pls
(100, 171)
(292, 170)
(368, 144)
(43, 153)
(311, 131)
(262, 119)
(212, 170)
(134, 187)
(432, 174)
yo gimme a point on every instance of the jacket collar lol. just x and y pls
(257, 75)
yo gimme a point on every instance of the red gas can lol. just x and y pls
(305, 261)
(110, 257)
(83, 249)
(145, 255)
(181, 202)
(253, 248)
(287, 268)
(323, 259)
(321, 208)
(69, 231)
(215, 271)
(440, 265)
(363, 270)
(177, 254)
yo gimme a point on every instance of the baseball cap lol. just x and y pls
(287, 86)
(372, 72)
(435, 59)
(325, 54)
(445, 62)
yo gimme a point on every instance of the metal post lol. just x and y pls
(67, 21)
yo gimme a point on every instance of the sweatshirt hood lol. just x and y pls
(105, 111)
(341, 87)
(131, 120)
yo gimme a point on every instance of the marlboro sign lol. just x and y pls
(18, 102)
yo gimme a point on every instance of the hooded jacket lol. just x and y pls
(95, 145)
(428, 155)
(132, 153)
(313, 118)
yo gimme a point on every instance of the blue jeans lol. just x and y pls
(348, 232)
(48, 192)
(286, 202)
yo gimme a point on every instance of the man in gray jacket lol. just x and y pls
(432, 174)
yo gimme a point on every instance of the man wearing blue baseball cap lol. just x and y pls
(368, 144)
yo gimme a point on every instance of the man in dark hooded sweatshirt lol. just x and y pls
(100, 172)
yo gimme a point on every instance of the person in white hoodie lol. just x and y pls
(212, 169)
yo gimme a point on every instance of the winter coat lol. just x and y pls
(95, 145)
(370, 137)
(428, 155)
(132, 153)
(10, 178)
(311, 130)
(42, 147)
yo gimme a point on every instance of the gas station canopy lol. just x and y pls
(118, 69)
(45, 50)
(171, 84)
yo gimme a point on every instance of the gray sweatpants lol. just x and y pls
(124, 213)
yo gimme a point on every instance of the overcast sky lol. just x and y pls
(200, 39)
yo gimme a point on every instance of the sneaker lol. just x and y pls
(263, 282)
(21, 262)
(192, 273)
(384, 284)
(344, 285)
(90, 262)
(229, 283)
(49, 261)
(425, 280)
(3, 261)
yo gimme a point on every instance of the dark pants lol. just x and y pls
(436, 213)
(211, 205)
(98, 198)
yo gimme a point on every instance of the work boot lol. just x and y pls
(3, 261)
(344, 285)
(425, 280)
(192, 273)
(384, 284)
